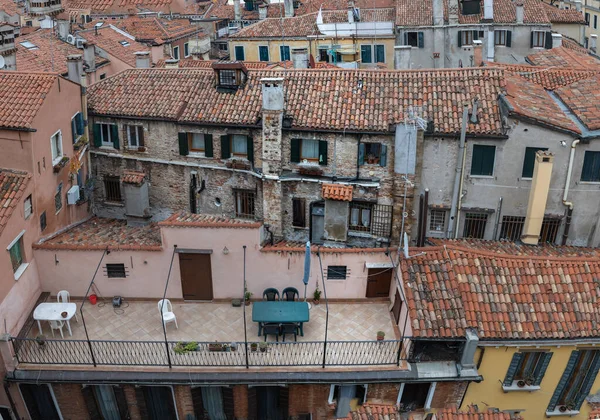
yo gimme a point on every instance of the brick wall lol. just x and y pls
(309, 399)
(448, 393)
(240, 402)
(183, 400)
(70, 401)
(386, 394)
(132, 405)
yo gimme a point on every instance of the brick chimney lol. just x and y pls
(402, 57)
(477, 53)
(556, 40)
(142, 59)
(538, 195)
(520, 11)
(89, 56)
(75, 67)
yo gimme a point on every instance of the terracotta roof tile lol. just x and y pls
(185, 219)
(371, 100)
(374, 412)
(557, 15)
(98, 233)
(337, 192)
(12, 187)
(414, 13)
(562, 57)
(10, 7)
(157, 30)
(473, 413)
(297, 246)
(133, 177)
(110, 40)
(547, 77)
(207, 64)
(538, 292)
(21, 97)
(120, 6)
(583, 99)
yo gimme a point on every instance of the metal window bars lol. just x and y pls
(475, 225)
(244, 203)
(112, 189)
(375, 219)
(512, 227)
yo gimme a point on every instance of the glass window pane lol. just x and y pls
(197, 141)
(366, 217)
(310, 149)
(16, 255)
(240, 145)
(354, 216)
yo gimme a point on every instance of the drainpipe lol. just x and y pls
(86, 128)
(569, 204)
(498, 211)
(461, 195)
(459, 174)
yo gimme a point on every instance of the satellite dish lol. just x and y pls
(2, 62)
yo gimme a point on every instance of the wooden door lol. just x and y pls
(196, 276)
(397, 306)
(378, 283)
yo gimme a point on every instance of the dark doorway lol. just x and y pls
(317, 222)
(268, 402)
(414, 396)
(378, 283)
(196, 276)
(397, 308)
(39, 402)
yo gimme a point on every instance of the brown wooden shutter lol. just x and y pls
(197, 402)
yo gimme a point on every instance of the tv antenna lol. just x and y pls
(405, 249)
(413, 118)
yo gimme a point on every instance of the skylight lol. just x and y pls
(29, 45)
(124, 43)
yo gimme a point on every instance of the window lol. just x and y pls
(527, 369)
(176, 53)
(372, 54)
(529, 160)
(58, 203)
(576, 381)
(298, 212)
(475, 225)
(336, 272)
(28, 208)
(43, 221)
(308, 150)
(39, 401)
(502, 37)
(239, 145)
(227, 77)
(345, 397)
(372, 154)
(329, 54)
(482, 163)
(244, 203)
(379, 53)
(591, 167)
(587, 19)
(135, 136)
(512, 227)
(437, 220)
(416, 396)
(186, 49)
(159, 402)
(77, 126)
(56, 147)
(107, 133)
(115, 271)
(112, 189)
(223, 47)
(466, 38)
(213, 402)
(549, 229)
(284, 53)
(360, 217)
(239, 53)
(263, 53)
(196, 141)
(103, 76)
(17, 253)
(595, 21)
(471, 7)
(105, 401)
(414, 39)
(538, 39)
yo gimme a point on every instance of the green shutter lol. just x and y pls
(208, 145)
(73, 129)
(482, 162)
(114, 135)
(591, 167)
(515, 363)
(380, 53)
(383, 157)
(225, 147)
(365, 54)
(588, 381)
(239, 53)
(361, 154)
(263, 53)
(548, 40)
(323, 152)
(529, 161)
(250, 150)
(97, 139)
(508, 38)
(563, 380)
(79, 123)
(531, 41)
(475, 35)
(540, 369)
(459, 42)
(421, 38)
(405, 38)
(184, 148)
(295, 151)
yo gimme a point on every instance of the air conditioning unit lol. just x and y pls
(73, 195)
(71, 39)
(79, 42)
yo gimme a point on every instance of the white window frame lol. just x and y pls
(59, 153)
(176, 56)
(384, 52)
(186, 46)
(309, 160)
(281, 58)
(60, 416)
(137, 136)
(28, 209)
(103, 142)
(428, 399)
(417, 40)
(268, 53)
(24, 264)
(331, 397)
(543, 38)
(75, 126)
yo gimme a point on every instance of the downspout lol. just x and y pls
(460, 189)
(569, 204)
(459, 173)
(86, 128)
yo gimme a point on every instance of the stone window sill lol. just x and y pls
(482, 176)
(114, 204)
(21, 270)
(557, 413)
(514, 388)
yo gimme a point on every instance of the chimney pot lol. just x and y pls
(578, 6)
(142, 59)
(272, 93)
(538, 195)
(556, 40)
(300, 58)
(89, 56)
(64, 27)
(520, 12)
(288, 6)
(262, 11)
(438, 12)
(402, 57)
(237, 10)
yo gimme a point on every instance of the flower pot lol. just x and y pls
(64, 314)
(93, 299)
(253, 347)
(562, 408)
(380, 336)
(521, 384)
(215, 347)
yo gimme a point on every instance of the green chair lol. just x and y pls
(271, 294)
(289, 294)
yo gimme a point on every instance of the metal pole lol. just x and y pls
(459, 172)
(163, 305)
(326, 307)
(244, 309)
(106, 251)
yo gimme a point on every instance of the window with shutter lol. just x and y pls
(284, 53)
(240, 55)
(412, 38)
(380, 53)
(225, 147)
(323, 152)
(529, 161)
(295, 150)
(366, 54)
(183, 144)
(39, 401)
(591, 167)
(482, 163)
(263, 53)
(526, 370)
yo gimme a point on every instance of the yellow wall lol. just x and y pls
(493, 368)
(251, 47)
(588, 6)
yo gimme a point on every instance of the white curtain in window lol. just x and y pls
(212, 400)
(198, 141)
(366, 218)
(240, 144)
(107, 402)
(310, 149)
(354, 217)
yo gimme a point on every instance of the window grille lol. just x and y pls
(512, 228)
(475, 225)
(112, 189)
(437, 220)
(244, 204)
(336, 272)
(549, 229)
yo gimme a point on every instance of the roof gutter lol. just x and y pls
(28, 130)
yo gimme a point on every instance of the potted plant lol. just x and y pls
(61, 164)
(380, 335)
(183, 347)
(317, 295)
(233, 346)
(521, 384)
(529, 379)
(253, 347)
(372, 159)
(247, 296)
(40, 339)
(215, 347)
(263, 347)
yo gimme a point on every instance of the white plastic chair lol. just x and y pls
(65, 297)
(167, 312)
(57, 325)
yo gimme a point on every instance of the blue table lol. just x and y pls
(280, 312)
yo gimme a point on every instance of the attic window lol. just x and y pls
(29, 45)
(227, 78)
(124, 43)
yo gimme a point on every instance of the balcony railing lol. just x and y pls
(154, 353)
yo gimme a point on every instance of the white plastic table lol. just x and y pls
(52, 312)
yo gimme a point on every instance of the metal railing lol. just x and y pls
(204, 354)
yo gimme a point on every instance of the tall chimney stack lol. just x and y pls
(262, 11)
(289, 8)
(142, 59)
(556, 40)
(520, 11)
(75, 67)
(402, 57)
(453, 12)
(538, 195)
(578, 5)
(63, 26)
(488, 10)
(438, 13)
(477, 53)
(300, 58)
(89, 56)
(237, 10)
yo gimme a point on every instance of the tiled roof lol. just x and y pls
(414, 13)
(557, 15)
(583, 99)
(562, 57)
(473, 413)
(548, 78)
(282, 245)
(133, 177)
(50, 55)
(109, 40)
(501, 295)
(532, 101)
(12, 187)
(333, 99)
(21, 97)
(157, 30)
(337, 192)
(207, 64)
(10, 7)
(99, 234)
(572, 44)
(185, 219)
(121, 6)
(374, 412)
